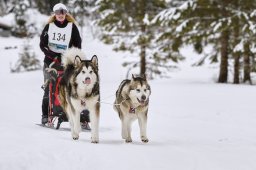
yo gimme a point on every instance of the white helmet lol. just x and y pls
(59, 6)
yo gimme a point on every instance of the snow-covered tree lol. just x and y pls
(20, 7)
(127, 25)
(46, 6)
(227, 25)
(27, 59)
(3, 7)
(81, 10)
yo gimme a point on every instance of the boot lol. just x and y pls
(45, 107)
(44, 119)
(86, 126)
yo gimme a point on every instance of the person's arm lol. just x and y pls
(44, 42)
(75, 37)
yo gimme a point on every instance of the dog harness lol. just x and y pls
(132, 110)
(59, 38)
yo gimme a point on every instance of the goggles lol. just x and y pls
(60, 11)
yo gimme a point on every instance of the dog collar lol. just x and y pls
(132, 110)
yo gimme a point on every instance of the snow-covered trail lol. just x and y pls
(193, 123)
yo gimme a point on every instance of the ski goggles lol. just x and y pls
(60, 11)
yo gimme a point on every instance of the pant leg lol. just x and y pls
(45, 101)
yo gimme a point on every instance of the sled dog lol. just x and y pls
(131, 103)
(79, 90)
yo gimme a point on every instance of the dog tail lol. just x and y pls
(68, 57)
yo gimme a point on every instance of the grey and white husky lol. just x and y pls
(79, 90)
(131, 103)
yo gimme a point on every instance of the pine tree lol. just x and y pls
(227, 25)
(126, 24)
(27, 59)
(81, 10)
(20, 7)
(46, 6)
(236, 32)
(3, 7)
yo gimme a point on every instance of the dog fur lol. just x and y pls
(131, 103)
(79, 90)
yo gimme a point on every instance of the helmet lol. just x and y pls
(60, 6)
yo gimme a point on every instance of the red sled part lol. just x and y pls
(56, 93)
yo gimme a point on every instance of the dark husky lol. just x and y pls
(79, 90)
(132, 99)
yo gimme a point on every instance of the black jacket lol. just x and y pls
(75, 41)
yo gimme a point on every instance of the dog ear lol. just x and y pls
(133, 77)
(94, 60)
(77, 60)
(144, 77)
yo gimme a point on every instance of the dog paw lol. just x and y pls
(144, 139)
(75, 138)
(128, 140)
(94, 140)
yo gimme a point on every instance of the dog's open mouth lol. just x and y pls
(87, 81)
(142, 102)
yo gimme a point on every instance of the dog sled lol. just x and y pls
(56, 114)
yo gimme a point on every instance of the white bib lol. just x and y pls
(59, 38)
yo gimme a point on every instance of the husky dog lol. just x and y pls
(79, 90)
(131, 103)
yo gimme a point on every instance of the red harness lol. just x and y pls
(53, 59)
(132, 110)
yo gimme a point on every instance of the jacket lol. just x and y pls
(75, 41)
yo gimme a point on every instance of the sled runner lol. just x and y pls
(55, 111)
(60, 129)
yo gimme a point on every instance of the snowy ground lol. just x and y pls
(194, 123)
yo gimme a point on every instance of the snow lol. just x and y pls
(146, 20)
(7, 20)
(168, 14)
(36, 18)
(186, 5)
(173, 13)
(193, 123)
(216, 26)
(239, 47)
(182, 26)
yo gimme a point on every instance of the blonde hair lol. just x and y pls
(69, 18)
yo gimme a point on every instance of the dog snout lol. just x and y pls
(87, 81)
(143, 97)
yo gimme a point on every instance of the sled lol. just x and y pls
(55, 111)
(60, 128)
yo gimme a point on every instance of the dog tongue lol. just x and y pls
(87, 81)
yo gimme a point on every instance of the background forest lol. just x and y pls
(154, 31)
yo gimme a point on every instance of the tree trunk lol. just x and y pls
(236, 54)
(143, 42)
(143, 60)
(247, 67)
(236, 68)
(223, 75)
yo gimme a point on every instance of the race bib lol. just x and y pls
(59, 38)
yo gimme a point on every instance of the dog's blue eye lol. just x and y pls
(83, 72)
(138, 90)
(145, 90)
(90, 72)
